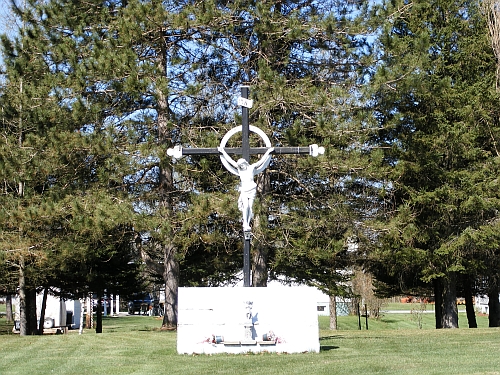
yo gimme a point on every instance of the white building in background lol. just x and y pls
(481, 303)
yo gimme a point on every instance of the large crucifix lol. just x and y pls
(244, 169)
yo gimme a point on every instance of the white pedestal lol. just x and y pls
(212, 320)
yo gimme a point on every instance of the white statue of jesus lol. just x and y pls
(248, 187)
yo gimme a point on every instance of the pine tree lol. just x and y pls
(435, 103)
(301, 60)
(130, 79)
(62, 187)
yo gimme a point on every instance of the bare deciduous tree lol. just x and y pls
(491, 9)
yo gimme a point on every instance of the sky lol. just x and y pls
(4, 6)
(7, 25)
(6, 22)
(4, 15)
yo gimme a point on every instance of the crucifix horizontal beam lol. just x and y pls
(312, 150)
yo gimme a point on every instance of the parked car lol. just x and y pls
(141, 303)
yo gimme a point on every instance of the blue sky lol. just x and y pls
(4, 6)
(6, 22)
(5, 16)
(4, 12)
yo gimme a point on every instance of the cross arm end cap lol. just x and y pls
(315, 150)
(175, 152)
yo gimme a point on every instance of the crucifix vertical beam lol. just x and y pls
(245, 150)
(245, 127)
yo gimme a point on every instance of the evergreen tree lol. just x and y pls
(301, 60)
(124, 81)
(109, 67)
(61, 184)
(436, 105)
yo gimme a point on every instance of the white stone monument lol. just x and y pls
(242, 320)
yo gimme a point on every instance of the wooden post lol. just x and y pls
(359, 317)
(366, 317)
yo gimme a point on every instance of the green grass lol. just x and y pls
(405, 306)
(135, 345)
(402, 321)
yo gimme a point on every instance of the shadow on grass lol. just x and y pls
(327, 348)
(333, 337)
(389, 321)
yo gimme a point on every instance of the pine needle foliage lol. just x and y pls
(437, 107)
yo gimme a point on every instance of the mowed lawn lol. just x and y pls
(136, 345)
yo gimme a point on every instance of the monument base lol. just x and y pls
(216, 320)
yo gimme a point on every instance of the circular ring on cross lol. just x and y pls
(237, 129)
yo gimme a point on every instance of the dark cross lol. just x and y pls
(246, 151)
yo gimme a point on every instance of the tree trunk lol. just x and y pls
(493, 303)
(438, 303)
(31, 311)
(490, 8)
(42, 311)
(259, 266)
(260, 249)
(259, 258)
(8, 308)
(333, 312)
(469, 303)
(98, 323)
(170, 261)
(23, 316)
(171, 278)
(166, 188)
(450, 311)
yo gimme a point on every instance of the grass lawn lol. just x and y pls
(135, 345)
